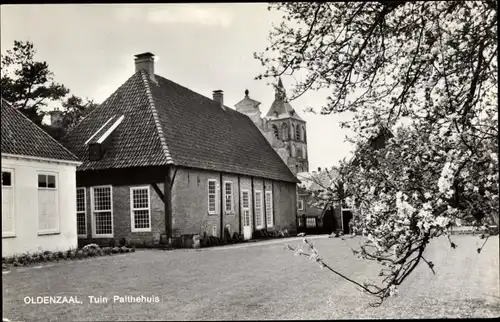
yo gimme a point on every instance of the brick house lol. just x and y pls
(160, 161)
(333, 216)
(327, 219)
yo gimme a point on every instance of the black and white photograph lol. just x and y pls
(250, 161)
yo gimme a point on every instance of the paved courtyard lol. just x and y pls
(256, 281)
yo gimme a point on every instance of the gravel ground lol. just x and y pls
(261, 281)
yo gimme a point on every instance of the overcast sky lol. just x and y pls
(91, 48)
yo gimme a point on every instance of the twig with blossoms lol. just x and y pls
(365, 287)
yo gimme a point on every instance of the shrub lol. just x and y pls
(115, 250)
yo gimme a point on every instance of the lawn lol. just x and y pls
(258, 281)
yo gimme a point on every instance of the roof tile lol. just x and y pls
(21, 136)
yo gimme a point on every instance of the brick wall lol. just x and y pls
(190, 205)
(285, 205)
(190, 202)
(122, 217)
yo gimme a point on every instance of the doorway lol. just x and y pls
(247, 218)
(346, 217)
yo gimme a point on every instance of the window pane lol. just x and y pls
(103, 223)
(80, 199)
(141, 218)
(258, 209)
(42, 181)
(51, 181)
(311, 222)
(211, 187)
(211, 195)
(102, 198)
(246, 217)
(47, 210)
(140, 198)
(6, 179)
(245, 200)
(229, 196)
(80, 223)
(211, 202)
(269, 209)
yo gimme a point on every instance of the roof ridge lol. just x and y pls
(199, 94)
(9, 105)
(156, 118)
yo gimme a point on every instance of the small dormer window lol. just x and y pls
(94, 152)
(101, 139)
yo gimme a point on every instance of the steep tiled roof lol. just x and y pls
(166, 123)
(136, 140)
(21, 136)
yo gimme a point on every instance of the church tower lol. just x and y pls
(282, 127)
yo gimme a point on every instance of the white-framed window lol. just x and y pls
(212, 196)
(311, 222)
(300, 204)
(102, 211)
(81, 213)
(228, 196)
(245, 205)
(269, 209)
(48, 209)
(259, 223)
(8, 219)
(140, 209)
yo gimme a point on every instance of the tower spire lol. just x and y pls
(280, 90)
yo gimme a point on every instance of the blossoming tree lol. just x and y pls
(426, 72)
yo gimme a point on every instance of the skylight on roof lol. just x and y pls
(111, 129)
(90, 138)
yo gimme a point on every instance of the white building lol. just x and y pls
(38, 188)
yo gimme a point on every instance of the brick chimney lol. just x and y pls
(146, 61)
(218, 96)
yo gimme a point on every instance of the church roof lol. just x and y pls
(281, 108)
